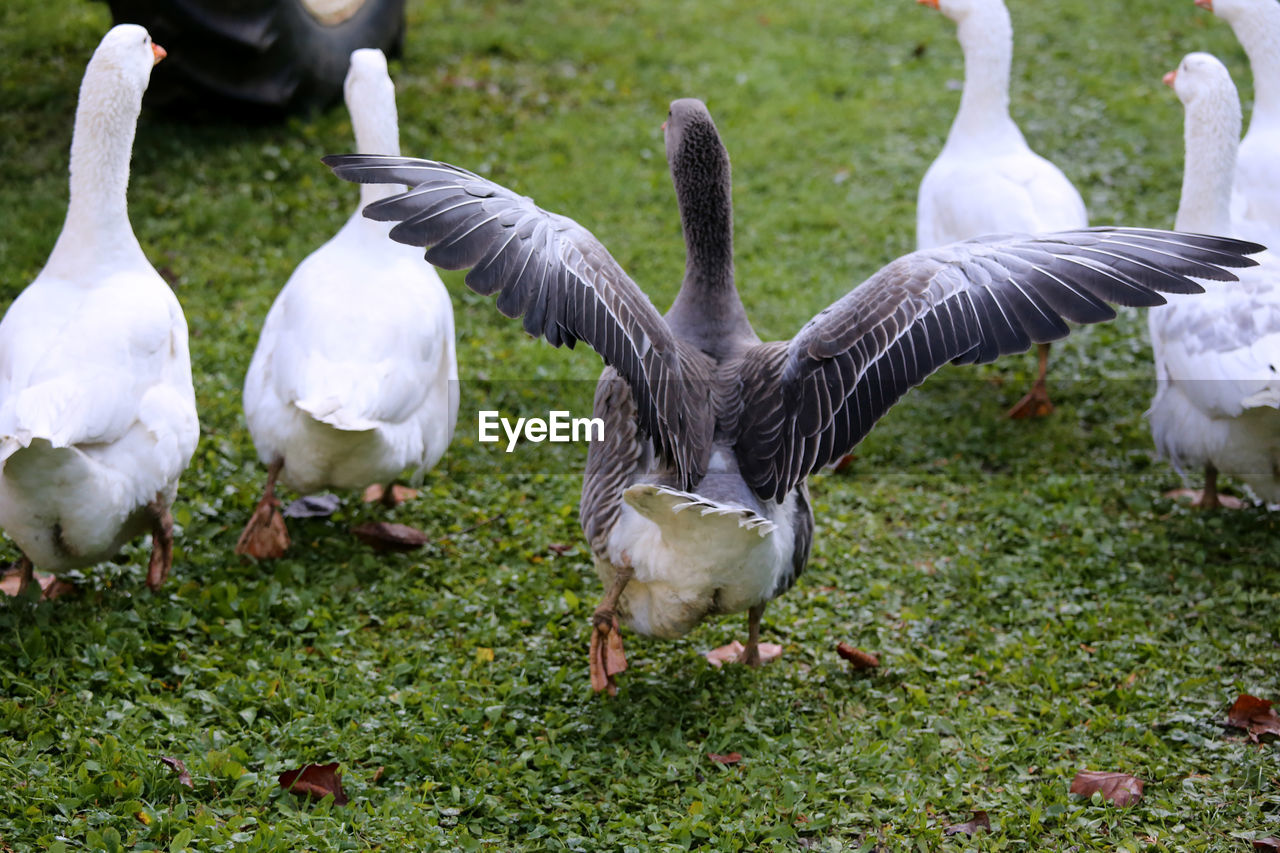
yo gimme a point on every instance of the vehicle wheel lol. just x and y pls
(260, 58)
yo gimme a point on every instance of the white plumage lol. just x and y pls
(1217, 403)
(97, 410)
(355, 376)
(1255, 195)
(987, 180)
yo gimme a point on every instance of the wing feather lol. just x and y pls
(552, 272)
(964, 303)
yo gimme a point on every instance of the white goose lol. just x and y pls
(987, 180)
(97, 410)
(1255, 202)
(355, 377)
(1217, 402)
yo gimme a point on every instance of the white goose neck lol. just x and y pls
(1212, 134)
(986, 37)
(97, 231)
(1259, 34)
(377, 130)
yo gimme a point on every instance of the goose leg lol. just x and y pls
(607, 657)
(1209, 497)
(26, 574)
(390, 496)
(1036, 404)
(161, 543)
(265, 536)
(754, 653)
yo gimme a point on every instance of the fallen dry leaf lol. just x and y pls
(1268, 843)
(1254, 715)
(316, 781)
(377, 775)
(1120, 788)
(970, 826)
(384, 536)
(175, 764)
(857, 657)
(557, 548)
(726, 759)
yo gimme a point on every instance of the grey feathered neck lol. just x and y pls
(707, 312)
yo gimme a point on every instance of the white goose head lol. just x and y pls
(1232, 10)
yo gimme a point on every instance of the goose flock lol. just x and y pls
(695, 502)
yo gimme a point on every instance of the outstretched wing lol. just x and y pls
(553, 272)
(807, 402)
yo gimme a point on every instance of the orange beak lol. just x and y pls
(1170, 77)
(933, 4)
(158, 52)
(1205, 4)
(664, 127)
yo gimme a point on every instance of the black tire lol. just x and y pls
(257, 59)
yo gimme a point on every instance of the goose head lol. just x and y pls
(1199, 79)
(1232, 10)
(959, 10)
(693, 143)
(122, 63)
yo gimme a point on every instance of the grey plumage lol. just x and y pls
(695, 400)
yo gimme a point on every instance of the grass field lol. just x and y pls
(1038, 607)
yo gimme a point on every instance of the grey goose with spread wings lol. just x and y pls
(695, 502)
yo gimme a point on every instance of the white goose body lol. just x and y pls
(355, 375)
(694, 555)
(97, 408)
(1255, 195)
(1218, 357)
(987, 180)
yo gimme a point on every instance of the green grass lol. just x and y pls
(1037, 605)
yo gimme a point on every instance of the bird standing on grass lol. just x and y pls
(355, 378)
(987, 180)
(1217, 403)
(696, 501)
(97, 410)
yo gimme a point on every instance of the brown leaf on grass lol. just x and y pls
(557, 548)
(1268, 843)
(377, 775)
(726, 759)
(970, 826)
(384, 536)
(316, 781)
(1120, 788)
(1254, 715)
(176, 765)
(857, 657)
